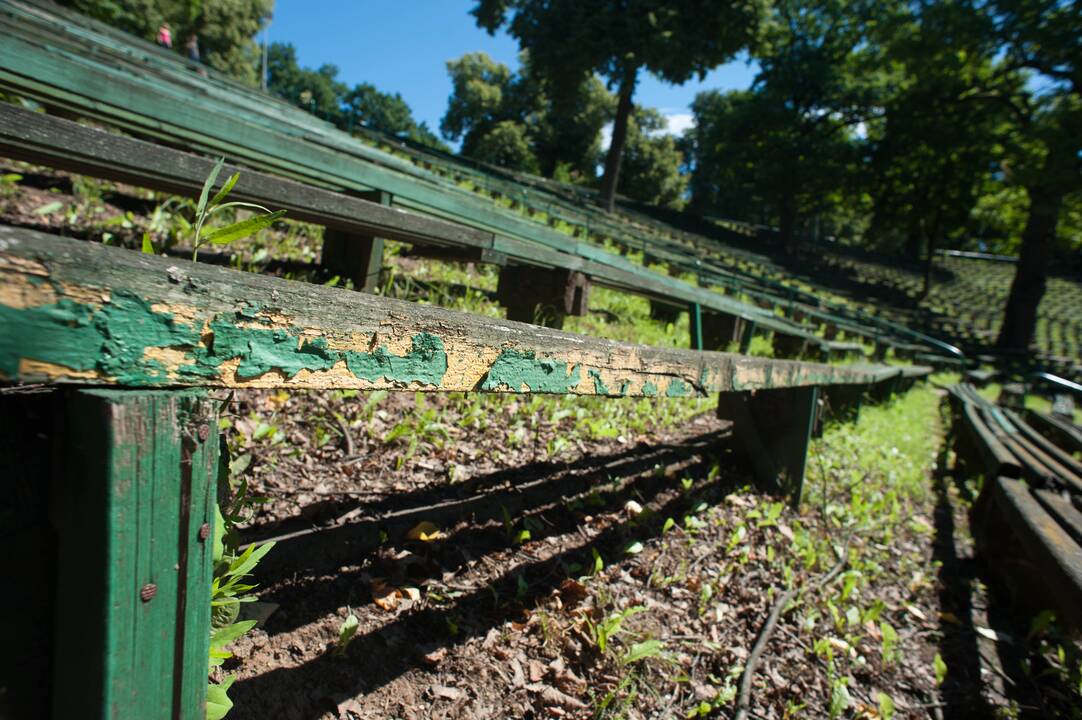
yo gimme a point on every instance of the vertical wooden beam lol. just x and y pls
(695, 323)
(543, 296)
(773, 427)
(355, 257)
(746, 336)
(134, 504)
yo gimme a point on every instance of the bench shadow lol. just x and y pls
(306, 566)
(382, 654)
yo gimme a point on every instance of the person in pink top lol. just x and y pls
(165, 36)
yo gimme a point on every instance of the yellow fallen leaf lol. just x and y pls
(411, 593)
(384, 595)
(426, 531)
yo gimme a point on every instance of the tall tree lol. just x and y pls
(652, 162)
(552, 131)
(788, 143)
(569, 40)
(937, 140)
(1044, 36)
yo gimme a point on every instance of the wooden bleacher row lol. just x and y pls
(132, 341)
(1028, 517)
(702, 254)
(138, 464)
(59, 65)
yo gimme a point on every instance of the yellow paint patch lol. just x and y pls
(39, 368)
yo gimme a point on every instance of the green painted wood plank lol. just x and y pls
(134, 574)
(78, 312)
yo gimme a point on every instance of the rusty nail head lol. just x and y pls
(204, 531)
(204, 431)
(148, 591)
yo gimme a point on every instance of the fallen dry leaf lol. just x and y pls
(426, 531)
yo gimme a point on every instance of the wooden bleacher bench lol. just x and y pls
(129, 343)
(1027, 518)
(68, 62)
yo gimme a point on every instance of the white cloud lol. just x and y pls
(679, 122)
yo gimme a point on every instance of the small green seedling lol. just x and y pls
(205, 208)
(346, 633)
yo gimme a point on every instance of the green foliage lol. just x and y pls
(233, 567)
(652, 161)
(346, 633)
(570, 40)
(225, 28)
(612, 625)
(782, 151)
(206, 235)
(321, 93)
(518, 121)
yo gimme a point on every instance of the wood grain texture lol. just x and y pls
(134, 578)
(79, 312)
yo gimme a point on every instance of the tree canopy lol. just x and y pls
(225, 28)
(569, 40)
(321, 93)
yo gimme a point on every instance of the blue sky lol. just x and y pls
(403, 47)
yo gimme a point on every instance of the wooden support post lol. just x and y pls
(789, 346)
(134, 508)
(355, 257)
(773, 428)
(542, 296)
(746, 336)
(695, 323)
(664, 312)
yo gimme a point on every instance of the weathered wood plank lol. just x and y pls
(144, 105)
(80, 312)
(134, 569)
(43, 139)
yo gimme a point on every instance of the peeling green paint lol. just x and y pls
(677, 388)
(625, 386)
(259, 351)
(114, 338)
(649, 389)
(111, 340)
(426, 362)
(514, 368)
(599, 385)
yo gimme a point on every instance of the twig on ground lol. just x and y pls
(347, 438)
(744, 697)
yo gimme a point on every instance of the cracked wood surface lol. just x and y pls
(77, 312)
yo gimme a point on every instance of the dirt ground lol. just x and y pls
(650, 534)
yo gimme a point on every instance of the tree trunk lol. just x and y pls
(1027, 289)
(787, 227)
(929, 260)
(913, 240)
(619, 139)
